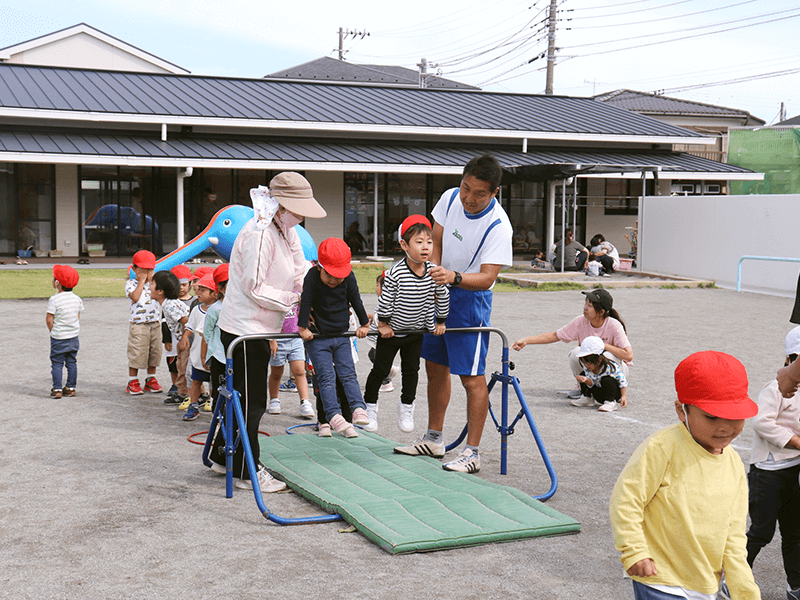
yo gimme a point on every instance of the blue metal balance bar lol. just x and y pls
(766, 258)
(228, 408)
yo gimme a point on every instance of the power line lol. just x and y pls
(700, 12)
(698, 86)
(631, 12)
(638, 37)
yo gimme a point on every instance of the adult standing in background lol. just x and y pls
(265, 278)
(472, 240)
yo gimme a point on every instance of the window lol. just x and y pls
(8, 211)
(622, 195)
(35, 206)
(359, 211)
(525, 208)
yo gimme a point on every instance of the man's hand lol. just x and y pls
(305, 333)
(439, 329)
(385, 330)
(643, 568)
(789, 379)
(442, 276)
(362, 331)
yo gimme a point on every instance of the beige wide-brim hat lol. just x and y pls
(294, 193)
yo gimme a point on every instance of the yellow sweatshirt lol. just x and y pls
(686, 509)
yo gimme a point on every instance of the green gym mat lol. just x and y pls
(406, 503)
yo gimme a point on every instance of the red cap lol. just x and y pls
(144, 259)
(716, 383)
(200, 272)
(207, 281)
(221, 273)
(334, 257)
(413, 220)
(182, 272)
(65, 275)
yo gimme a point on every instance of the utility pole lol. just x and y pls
(423, 72)
(343, 33)
(551, 48)
(783, 112)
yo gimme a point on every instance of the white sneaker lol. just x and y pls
(394, 372)
(466, 462)
(372, 413)
(266, 482)
(386, 387)
(422, 447)
(572, 394)
(609, 406)
(218, 468)
(306, 410)
(274, 406)
(405, 417)
(583, 401)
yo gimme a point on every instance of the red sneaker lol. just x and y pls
(134, 389)
(151, 385)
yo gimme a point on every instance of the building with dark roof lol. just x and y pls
(99, 159)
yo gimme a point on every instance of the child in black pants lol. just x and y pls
(603, 379)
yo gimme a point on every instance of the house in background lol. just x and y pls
(82, 46)
(343, 71)
(98, 157)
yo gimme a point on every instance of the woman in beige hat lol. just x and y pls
(266, 273)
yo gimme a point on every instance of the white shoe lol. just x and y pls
(386, 387)
(576, 393)
(405, 417)
(466, 462)
(372, 413)
(583, 401)
(217, 468)
(306, 410)
(266, 482)
(394, 372)
(609, 406)
(274, 407)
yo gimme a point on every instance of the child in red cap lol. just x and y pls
(64, 322)
(328, 293)
(144, 332)
(206, 291)
(215, 352)
(679, 508)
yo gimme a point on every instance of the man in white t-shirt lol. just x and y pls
(472, 241)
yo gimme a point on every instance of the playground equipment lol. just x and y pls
(228, 408)
(766, 258)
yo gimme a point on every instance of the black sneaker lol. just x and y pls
(174, 400)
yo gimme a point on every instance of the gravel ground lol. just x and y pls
(102, 496)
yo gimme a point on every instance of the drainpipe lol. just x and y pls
(182, 174)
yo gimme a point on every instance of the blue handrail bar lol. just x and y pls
(228, 408)
(767, 258)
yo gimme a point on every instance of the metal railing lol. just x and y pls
(766, 258)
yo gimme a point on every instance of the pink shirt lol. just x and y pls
(611, 332)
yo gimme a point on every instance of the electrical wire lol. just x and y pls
(729, 81)
(631, 12)
(700, 12)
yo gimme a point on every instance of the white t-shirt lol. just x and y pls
(146, 310)
(197, 320)
(468, 241)
(610, 250)
(66, 308)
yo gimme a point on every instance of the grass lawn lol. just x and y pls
(110, 283)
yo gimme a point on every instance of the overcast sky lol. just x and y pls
(603, 44)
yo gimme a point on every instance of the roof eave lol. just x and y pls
(316, 126)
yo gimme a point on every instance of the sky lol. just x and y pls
(742, 54)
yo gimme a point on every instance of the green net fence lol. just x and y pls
(774, 152)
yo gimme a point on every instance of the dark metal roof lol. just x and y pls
(787, 122)
(195, 150)
(653, 104)
(80, 91)
(330, 69)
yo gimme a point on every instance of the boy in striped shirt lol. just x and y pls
(410, 300)
(64, 322)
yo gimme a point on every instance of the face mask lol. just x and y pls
(287, 220)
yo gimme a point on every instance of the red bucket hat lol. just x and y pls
(716, 383)
(413, 220)
(207, 281)
(221, 273)
(182, 272)
(201, 272)
(144, 259)
(334, 257)
(65, 275)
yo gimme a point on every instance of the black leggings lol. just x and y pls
(607, 391)
(410, 348)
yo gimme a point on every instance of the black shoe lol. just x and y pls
(174, 400)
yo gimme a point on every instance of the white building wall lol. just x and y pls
(329, 191)
(85, 52)
(612, 227)
(67, 215)
(705, 236)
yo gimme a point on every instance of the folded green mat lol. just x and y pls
(406, 503)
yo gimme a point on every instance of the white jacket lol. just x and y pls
(264, 280)
(778, 419)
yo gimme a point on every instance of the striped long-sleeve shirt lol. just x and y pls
(409, 301)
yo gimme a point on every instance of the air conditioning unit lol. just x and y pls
(683, 188)
(712, 188)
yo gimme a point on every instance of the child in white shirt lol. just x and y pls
(63, 320)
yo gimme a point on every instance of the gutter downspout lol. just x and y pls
(182, 174)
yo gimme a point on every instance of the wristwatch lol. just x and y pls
(457, 280)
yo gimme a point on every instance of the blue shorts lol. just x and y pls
(289, 350)
(200, 375)
(463, 353)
